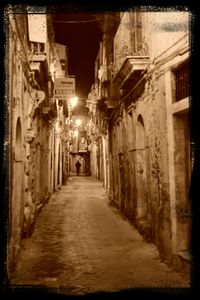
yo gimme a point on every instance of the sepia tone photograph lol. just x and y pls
(99, 151)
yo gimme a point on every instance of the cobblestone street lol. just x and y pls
(82, 245)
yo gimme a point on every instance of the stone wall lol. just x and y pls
(141, 179)
(140, 170)
(31, 165)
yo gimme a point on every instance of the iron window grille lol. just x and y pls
(182, 82)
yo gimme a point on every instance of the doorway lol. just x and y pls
(141, 169)
(17, 206)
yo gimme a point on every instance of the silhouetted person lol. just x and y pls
(78, 165)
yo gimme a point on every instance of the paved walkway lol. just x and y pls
(82, 245)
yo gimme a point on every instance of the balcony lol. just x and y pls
(131, 71)
(131, 53)
(38, 64)
(38, 61)
(49, 112)
(127, 76)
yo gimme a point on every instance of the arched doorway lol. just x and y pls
(17, 213)
(18, 141)
(141, 169)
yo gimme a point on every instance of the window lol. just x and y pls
(182, 82)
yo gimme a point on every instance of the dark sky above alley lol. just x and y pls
(81, 34)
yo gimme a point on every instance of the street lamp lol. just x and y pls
(75, 133)
(73, 102)
(78, 122)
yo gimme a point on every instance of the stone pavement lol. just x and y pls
(81, 244)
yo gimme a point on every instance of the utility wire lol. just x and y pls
(83, 21)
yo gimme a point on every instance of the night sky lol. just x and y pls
(82, 40)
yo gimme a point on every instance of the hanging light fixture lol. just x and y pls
(78, 122)
(75, 133)
(73, 102)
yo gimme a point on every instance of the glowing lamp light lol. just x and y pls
(76, 133)
(78, 122)
(73, 101)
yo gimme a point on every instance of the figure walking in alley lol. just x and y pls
(78, 166)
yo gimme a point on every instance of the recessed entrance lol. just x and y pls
(141, 169)
(17, 197)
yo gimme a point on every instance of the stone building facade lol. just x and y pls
(145, 85)
(34, 124)
(98, 126)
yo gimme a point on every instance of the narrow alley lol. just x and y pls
(98, 149)
(83, 245)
